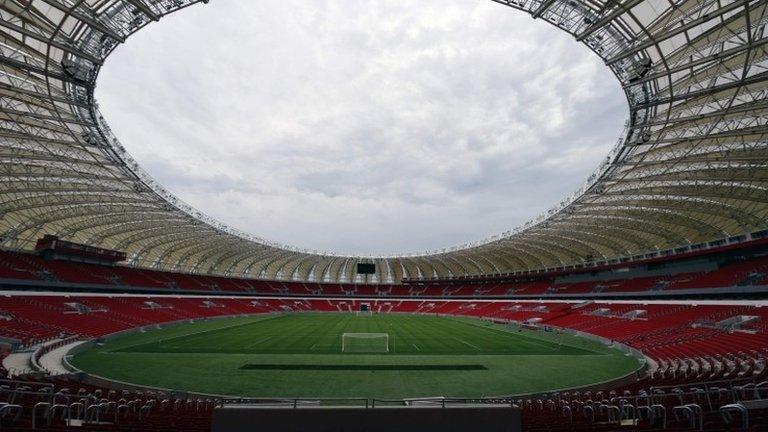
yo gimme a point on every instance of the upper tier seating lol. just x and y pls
(21, 269)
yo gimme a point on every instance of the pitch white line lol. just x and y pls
(258, 342)
(193, 334)
(468, 344)
(536, 340)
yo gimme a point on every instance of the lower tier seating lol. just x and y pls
(710, 371)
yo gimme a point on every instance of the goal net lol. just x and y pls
(365, 342)
(364, 313)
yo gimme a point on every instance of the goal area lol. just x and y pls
(365, 343)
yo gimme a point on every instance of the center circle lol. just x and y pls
(371, 355)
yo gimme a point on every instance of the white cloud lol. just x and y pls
(362, 126)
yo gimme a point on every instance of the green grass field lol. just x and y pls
(300, 355)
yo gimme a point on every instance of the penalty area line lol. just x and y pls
(258, 342)
(468, 344)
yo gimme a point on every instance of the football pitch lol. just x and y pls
(345, 355)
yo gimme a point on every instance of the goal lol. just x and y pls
(365, 343)
(364, 313)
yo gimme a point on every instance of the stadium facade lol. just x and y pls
(690, 171)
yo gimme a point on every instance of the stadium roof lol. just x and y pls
(692, 165)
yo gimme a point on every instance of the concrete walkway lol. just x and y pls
(53, 361)
(19, 362)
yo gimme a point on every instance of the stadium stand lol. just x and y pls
(705, 363)
(664, 331)
(732, 274)
(664, 248)
(707, 359)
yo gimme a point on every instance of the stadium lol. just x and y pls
(638, 303)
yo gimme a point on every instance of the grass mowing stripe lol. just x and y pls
(365, 367)
(211, 361)
(187, 338)
(192, 334)
(528, 337)
(321, 334)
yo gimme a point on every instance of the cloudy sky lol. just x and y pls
(361, 126)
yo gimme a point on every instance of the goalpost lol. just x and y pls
(364, 313)
(368, 343)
